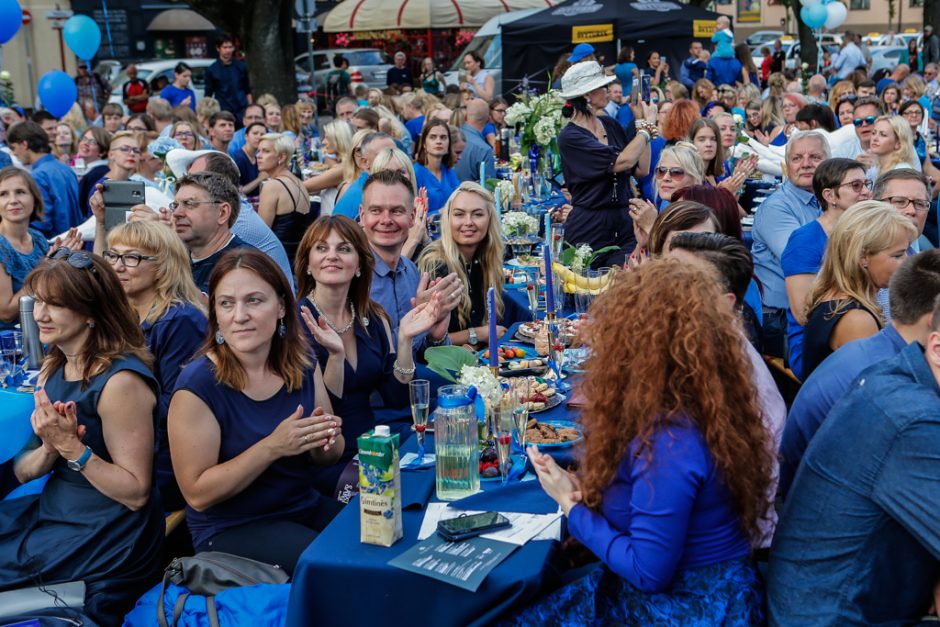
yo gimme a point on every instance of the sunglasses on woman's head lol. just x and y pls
(675, 173)
(78, 259)
(866, 121)
(848, 98)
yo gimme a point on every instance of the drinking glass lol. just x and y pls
(521, 392)
(502, 424)
(434, 225)
(420, 392)
(557, 240)
(582, 302)
(532, 289)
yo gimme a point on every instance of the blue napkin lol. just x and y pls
(416, 488)
(524, 497)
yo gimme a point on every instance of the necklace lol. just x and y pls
(329, 323)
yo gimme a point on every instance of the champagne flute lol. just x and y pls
(420, 392)
(532, 290)
(520, 412)
(503, 426)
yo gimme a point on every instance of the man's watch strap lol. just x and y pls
(78, 465)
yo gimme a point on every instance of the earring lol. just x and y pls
(358, 274)
(91, 324)
(281, 329)
(309, 273)
(219, 338)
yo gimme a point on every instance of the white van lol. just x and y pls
(488, 42)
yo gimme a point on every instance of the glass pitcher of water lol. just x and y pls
(456, 444)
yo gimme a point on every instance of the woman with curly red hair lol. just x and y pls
(677, 126)
(676, 463)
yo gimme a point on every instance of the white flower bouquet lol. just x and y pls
(516, 223)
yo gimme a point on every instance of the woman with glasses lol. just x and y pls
(891, 146)
(679, 166)
(757, 120)
(123, 155)
(493, 128)
(21, 248)
(432, 81)
(178, 93)
(867, 245)
(251, 421)
(790, 105)
(284, 204)
(98, 519)
(597, 161)
(246, 158)
(350, 333)
(433, 164)
(186, 135)
(837, 184)
(153, 268)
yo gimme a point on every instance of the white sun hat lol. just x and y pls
(582, 78)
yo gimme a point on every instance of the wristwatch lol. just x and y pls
(78, 465)
(473, 339)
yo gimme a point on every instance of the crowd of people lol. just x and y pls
(223, 353)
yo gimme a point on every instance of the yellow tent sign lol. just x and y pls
(595, 33)
(703, 28)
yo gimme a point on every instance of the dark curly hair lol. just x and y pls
(680, 356)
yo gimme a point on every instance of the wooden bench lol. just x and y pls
(173, 520)
(786, 381)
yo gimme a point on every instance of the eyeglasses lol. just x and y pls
(913, 113)
(128, 150)
(675, 173)
(130, 260)
(189, 205)
(138, 129)
(87, 140)
(901, 202)
(78, 259)
(499, 110)
(183, 134)
(857, 185)
(866, 121)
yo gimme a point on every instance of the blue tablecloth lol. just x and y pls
(339, 581)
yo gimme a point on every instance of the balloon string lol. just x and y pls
(107, 25)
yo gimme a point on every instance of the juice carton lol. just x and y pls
(379, 488)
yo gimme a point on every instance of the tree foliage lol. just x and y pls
(264, 29)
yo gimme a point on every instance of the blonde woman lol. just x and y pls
(284, 204)
(868, 243)
(187, 135)
(892, 146)
(64, 147)
(290, 123)
(840, 90)
(472, 247)
(154, 269)
(395, 159)
(391, 124)
(354, 163)
(679, 166)
(337, 146)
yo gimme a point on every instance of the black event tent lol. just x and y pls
(532, 46)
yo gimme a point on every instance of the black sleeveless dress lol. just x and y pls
(73, 532)
(290, 227)
(819, 327)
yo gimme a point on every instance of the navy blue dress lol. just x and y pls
(173, 340)
(374, 373)
(821, 322)
(18, 265)
(284, 491)
(73, 532)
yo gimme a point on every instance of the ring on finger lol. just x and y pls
(306, 438)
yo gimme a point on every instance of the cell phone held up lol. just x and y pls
(471, 525)
(119, 198)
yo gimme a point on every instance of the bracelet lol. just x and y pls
(645, 134)
(405, 372)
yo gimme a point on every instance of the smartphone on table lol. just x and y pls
(119, 197)
(471, 525)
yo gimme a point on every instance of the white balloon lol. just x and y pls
(809, 3)
(836, 15)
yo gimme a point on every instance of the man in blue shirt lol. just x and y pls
(858, 540)
(387, 215)
(784, 211)
(371, 146)
(722, 71)
(56, 181)
(253, 113)
(227, 78)
(914, 289)
(477, 150)
(693, 68)
(848, 58)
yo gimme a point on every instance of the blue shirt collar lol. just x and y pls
(805, 197)
(892, 334)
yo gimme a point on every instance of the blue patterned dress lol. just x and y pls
(672, 547)
(18, 264)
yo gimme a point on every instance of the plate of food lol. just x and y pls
(527, 331)
(515, 361)
(553, 434)
(543, 395)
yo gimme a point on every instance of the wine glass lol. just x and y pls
(557, 240)
(502, 423)
(420, 392)
(521, 392)
(532, 289)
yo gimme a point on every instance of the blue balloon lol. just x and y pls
(57, 92)
(14, 422)
(82, 36)
(814, 16)
(11, 18)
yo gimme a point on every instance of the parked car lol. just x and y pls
(793, 61)
(367, 66)
(155, 72)
(764, 37)
(885, 57)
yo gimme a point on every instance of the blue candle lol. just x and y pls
(548, 229)
(483, 174)
(491, 315)
(499, 202)
(549, 289)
